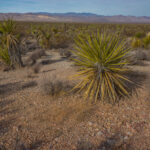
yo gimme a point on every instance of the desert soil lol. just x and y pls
(33, 120)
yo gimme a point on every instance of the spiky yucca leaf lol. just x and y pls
(101, 59)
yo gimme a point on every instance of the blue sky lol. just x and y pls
(102, 7)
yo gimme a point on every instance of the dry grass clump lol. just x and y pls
(146, 41)
(137, 56)
(32, 59)
(55, 87)
(136, 43)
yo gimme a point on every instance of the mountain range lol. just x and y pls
(73, 17)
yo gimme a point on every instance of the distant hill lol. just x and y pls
(73, 17)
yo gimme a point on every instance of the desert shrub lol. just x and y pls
(34, 32)
(32, 59)
(55, 87)
(136, 43)
(146, 41)
(4, 56)
(102, 60)
(55, 30)
(136, 57)
(45, 38)
(139, 35)
(42, 35)
(61, 40)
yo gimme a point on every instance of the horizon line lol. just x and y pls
(71, 12)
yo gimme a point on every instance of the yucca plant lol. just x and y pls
(35, 33)
(102, 60)
(42, 35)
(10, 42)
(45, 37)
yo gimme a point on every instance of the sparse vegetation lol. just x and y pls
(39, 111)
(42, 35)
(140, 41)
(49, 38)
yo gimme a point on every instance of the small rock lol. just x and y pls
(56, 139)
(96, 129)
(90, 123)
(121, 137)
(129, 133)
(99, 133)
(128, 108)
(126, 138)
(92, 134)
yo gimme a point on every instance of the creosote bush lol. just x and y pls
(140, 35)
(102, 60)
(55, 87)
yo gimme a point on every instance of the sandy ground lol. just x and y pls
(32, 120)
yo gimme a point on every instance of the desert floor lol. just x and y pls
(33, 120)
